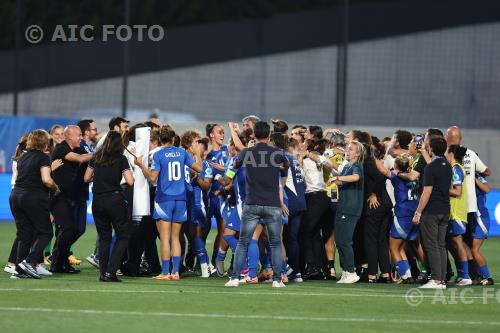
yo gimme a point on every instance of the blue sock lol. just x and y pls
(484, 272)
(253, 258)
(464, 269)
(175, 264)
(283, 267)
(199, 249)
(165, 267)
(231, 241)
(401, 267)
(267, 244)
(221, 255)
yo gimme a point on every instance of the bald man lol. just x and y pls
(471, 163)
(63, 206)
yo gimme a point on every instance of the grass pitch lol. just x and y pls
(80, 303)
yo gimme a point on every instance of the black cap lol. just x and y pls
(116, 121)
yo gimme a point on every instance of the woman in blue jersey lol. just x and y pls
(402, 229)
(196, 185)
(233, 184)
(170, 200)
(481, 228)
(217, 156)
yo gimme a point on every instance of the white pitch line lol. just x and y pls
(248, 317)
(246, 293)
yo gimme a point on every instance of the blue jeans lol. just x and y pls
(251, 216)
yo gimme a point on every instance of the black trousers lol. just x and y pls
(314, 220)
(433, 234)
(63, 210)
(34, 230)
(110, 212)
(376, 239)
(80, 213)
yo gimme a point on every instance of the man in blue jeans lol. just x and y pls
(264, 199)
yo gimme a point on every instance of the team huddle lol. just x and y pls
(283, 202)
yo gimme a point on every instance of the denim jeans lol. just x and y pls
(251, 215)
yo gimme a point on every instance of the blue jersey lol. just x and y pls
(206, 173)
(405, 195)
(170, 162)
(295, 189)
(481, 198)
(239, 182)
(219, 157)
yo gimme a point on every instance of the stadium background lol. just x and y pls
(379, 65)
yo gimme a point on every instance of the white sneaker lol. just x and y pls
(92, 259)
(232, 283)
(205, 271)
(342, 277)
(40, 269)
(432, 284)
(278, 284)
(464, 282)
(211, 269)
(9, 268)
(297, 279)
(351, 277)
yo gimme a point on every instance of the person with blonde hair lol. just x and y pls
(29, 201)
(349, 208)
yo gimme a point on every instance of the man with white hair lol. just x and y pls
(63, 205)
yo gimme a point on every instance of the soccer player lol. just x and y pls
(232, 207)
(402, 229)
(199, 183)
(170, 201)
(481, 228)
(216, 157)
(458, 215)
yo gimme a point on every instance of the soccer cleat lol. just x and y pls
(212, 270)
(10, 268)
(175, 277)
(47, 260)
(464, 282)
(72, 260)
(278, 284)
(432, 284)
(20, 276)
(219, 267)
(28, 269)
(205, 271)
(232, 283)
(249, 280)
(93, 260)
(164, 277)
(487, 282)
(41, 270)
(284, 278)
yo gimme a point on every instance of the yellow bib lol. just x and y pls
(459, 204)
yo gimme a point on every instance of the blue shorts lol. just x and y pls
(456, 228)
(403, 228)
(481, 227)
(231, 216)
(196, 214)
(214, 205)
(170, 211)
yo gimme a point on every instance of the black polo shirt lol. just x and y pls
(264, 167)
(107, 178)
(65, 175)
(438, 175)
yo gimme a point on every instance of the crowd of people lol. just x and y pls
(283, 201)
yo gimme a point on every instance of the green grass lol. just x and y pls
(81, 304)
